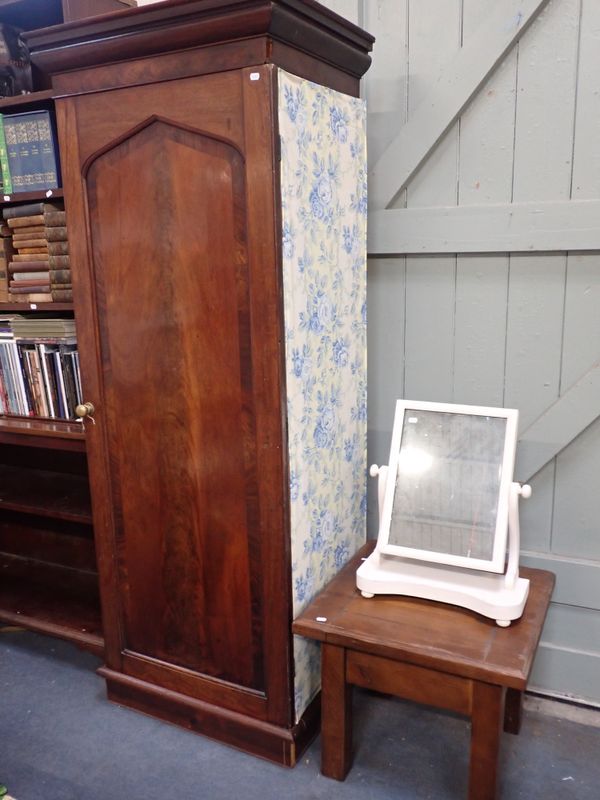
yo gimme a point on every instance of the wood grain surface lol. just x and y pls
(427, 633)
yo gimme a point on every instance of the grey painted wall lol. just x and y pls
(457, 319)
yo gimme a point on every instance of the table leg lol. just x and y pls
(486, 723)
(513, 706)
(336, 713)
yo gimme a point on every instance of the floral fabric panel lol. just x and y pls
(324, 215)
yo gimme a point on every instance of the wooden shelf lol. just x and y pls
(30, 197)
(17, 307)
(52, 541)
(20, 100)
(45, 494)
(52, 434)
(51, 599)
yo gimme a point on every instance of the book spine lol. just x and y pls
(32, 378)
(37, 368)
(77, 373)
(3, 285)
(32, 257)
(26, 382)
(54, 219)
(36, 235)
(28, 266)
(9, 384)
(30, 209)
(12, 152)
(38, 277)
(30, 230)
(23, 282)
(32, 151)
(41, 348)
(58, 248)
(57, 233)
(59, 275)
(50, 366)
(25, 407)
(50, 219)
(59, 262)
(32, 297)
(44, 288)
(60, 385)
(23, 210)
(62, 295)
(21, 244)
(6, 179)
(66, 361)
(3, 393)
(14, 223)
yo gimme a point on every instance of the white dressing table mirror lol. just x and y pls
(448, 509)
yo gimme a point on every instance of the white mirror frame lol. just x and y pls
(497, 562)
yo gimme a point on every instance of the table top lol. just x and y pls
(428, 633)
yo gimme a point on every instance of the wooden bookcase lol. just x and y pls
(48, 572)
(168, 129)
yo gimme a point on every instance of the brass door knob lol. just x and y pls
(85, 410)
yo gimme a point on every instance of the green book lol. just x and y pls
(6, 179)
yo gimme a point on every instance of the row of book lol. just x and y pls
(39, 367)
(34, 254)
(29, 159)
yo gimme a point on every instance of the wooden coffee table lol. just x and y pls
(424, 651)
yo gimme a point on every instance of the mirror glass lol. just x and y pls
(448, 483)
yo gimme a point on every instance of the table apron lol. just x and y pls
(410, 681)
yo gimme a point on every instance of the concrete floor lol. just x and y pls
(61, 740)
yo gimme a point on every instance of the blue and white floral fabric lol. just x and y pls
(324, 215)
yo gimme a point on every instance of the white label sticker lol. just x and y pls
(321, 619)
(255, 76)
(49, 193)
(33, 305)
(6, 198)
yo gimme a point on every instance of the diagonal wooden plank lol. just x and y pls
(465, 74)
(559, 425)
(503, 228)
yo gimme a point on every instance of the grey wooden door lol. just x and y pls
(484, 276)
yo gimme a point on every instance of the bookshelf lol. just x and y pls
(169, 118)
(35, 432)
(31, 197)
(20, 101)
(52, 599)
(18, 307)
(48, 571)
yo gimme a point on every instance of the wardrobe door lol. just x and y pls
(183, 366)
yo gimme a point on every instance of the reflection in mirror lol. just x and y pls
(448, 483)
(448, 509)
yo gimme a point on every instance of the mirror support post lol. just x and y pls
(514, 533)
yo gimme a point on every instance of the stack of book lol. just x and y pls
(39, 268)
(6, 255)
(28, 152)
(39, 367)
